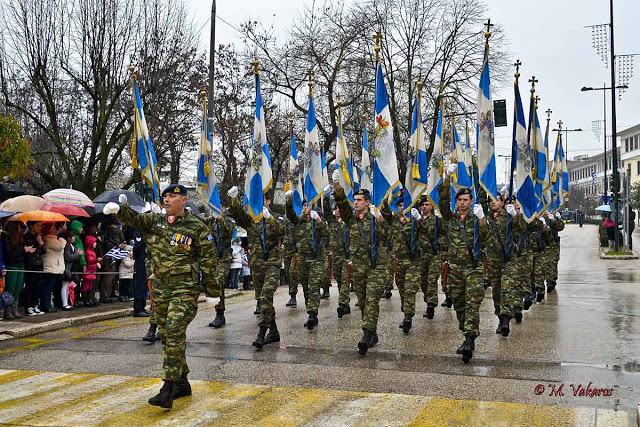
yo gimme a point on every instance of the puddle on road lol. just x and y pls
(623, 276)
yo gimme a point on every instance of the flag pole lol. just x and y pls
(514, 146)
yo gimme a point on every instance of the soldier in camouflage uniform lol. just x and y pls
(290, 260)
(269, 233)
(498, 251)
(432, 256)
(181, 249)
(340, 256)
(311, 234)
(556, 225)
(367, 267)
(406, 234)
(466, 281)
(221, 228)
(388, 254)
(539, 241)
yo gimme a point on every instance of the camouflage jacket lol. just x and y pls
(555, 226)
(290, 240)
(222, 231)
(306, 229)
(401, 229)
(497, 244)
(180, 249)
(360, 232)
(338, 232)
(522, 239)
(265, 236)
(431, 245)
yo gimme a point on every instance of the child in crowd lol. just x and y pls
(235, 269)
(93, 264)
(126, 276)
(246, 272)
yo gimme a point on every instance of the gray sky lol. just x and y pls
(549, 39)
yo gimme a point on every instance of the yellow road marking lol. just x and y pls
(49, 398)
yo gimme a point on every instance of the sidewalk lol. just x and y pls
(28, 326)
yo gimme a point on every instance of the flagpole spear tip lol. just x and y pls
(310, 74)
(517, 74)
(255, 63)
(132, 69)
(339, 102)
(378, 38)
(487, 33)
(533, 82)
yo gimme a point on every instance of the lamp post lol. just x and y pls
(507, 167)
(566, 137)
(604, 88)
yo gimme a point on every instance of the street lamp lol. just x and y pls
(566, 137)
(507, 167)
(604, 88)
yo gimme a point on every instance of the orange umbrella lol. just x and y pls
(39, 216)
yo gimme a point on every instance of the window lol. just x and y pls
(637, 141)
(626, 144)
(638, 167)
(629, 169)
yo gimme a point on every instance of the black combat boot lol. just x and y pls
(325, 293)
(504, 324)
(259, 342)
(406, 323)
(539, 294)
(219, 321)
(467, 347)
(257, 310)
(430, 311)
(164, 399)
(183, 388)
(528, 300)
(499, 328)
(311, 321)
(151, 333)
(387, 294)
(449, 301)
(551, 286)
(292, 301)
(459, 349)
(340, 311)
(273, 335)
(374, 339)
(346, 309)
(366, 342)
(517, 314)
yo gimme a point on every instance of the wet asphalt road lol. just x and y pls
(588, 331)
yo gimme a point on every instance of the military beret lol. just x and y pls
(423, 199)
(463, 191)
(362, 192)
(175, 189)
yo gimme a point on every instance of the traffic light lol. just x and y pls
(500, 112)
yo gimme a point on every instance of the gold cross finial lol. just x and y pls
(517, 74)
(533, 82)
(131, 71)
(560, 124)
(487, 33)
(420, 83)
(291, 118)
(203, 92)
(378, 38)
(310, 74)
(489, 25)
(255, 63)
(339, 101)
(548, 113)
(537, 99)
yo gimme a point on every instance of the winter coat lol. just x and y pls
(126, 268)
(33, 261)
(140, 254)
(111, 237)
(90, 256)
(53, 260)
(13, 255)
(71, 256)
(75, 229)
(246, 271)
(236, 254)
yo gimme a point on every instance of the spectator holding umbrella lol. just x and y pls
(611, 229)
(77, 228)
(53, 265)
(71, 256)
(34, 249)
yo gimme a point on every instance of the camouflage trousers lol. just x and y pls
(501, 286)
(327, 274)
(291, 276)
(430, 268)
(389, 273)
(369, 285)
(222, 273)
(538, 271)
(339, 265)
(258, 271)
(466, 285)
(521, 271)
(173, 313)
(312, 273)
(511, 289)
(553, 257)
(270, 275)
(408, 283)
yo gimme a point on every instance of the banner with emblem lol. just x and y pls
(462, 177)
(313, 169)
(524, 186)
(206, 182)
(295, 180)
(434, 180)
(540, 172)
(485, 143)
(259, 174)
(415, 180)
(366, 179)
(142, 152)
(343, 161)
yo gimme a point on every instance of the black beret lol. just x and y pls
(463, 191)
(423, 199)
(362, 192)
(175, 189)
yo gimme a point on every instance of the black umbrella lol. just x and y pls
(194, 208)
(133, 199)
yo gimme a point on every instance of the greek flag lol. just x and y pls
(117, 253)
(555, 177)
(206, 183)
(295, 181)
(365, 177)
(385, 166)
(560, 176)
(313, 165)
(415, 180)
(142, 153)
(462, 177)
(259, 175)
(354, 168)
(344, 163)
(540, 173)
(434, 179)
(485, 132)
(524, 187)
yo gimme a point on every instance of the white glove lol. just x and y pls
(551, 217)
(212, 301)
(289, 193)
(327, 189)
(336, 175)
(122, 199)
(147, 207)
(416, 214)
(163, 211)
(477, 211)
(437, 213)
(111, 208)
(265, 213)
(314, 215)
(452, 169)
(155, 208)
(542, 221)
(188, 208)
(376, 213)
(558, 215)
(233, 192)
(511, 210)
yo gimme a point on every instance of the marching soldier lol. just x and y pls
(290, 261)
(523, 266)
(340, 256)
(181, 249)
(556, 225)
(432, 256)
(366, 237)
(266, 263)
(311, 233)
(539, 243)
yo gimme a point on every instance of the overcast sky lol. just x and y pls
(549, 39)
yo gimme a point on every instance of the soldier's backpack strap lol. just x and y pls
(496, 233)
(345, 230)
(463, 231)
(520, 242)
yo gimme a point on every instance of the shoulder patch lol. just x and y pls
(209, 237)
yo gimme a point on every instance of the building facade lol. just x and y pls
(586, 178)
(630, 148)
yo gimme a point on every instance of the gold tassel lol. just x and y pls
(287, 186)
(206, 168)
(441, 169)
(416, 171)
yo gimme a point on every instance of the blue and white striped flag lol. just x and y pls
(313, 165)
(524, 186)
(485, 132)
(434, 179)
(259, 174)
(142, 153)
(541, 174)
(295, 180)
(117, 253)
(366, 180)
(415, 180)
(344, 163)
(206, 182)
(386, 180)
(462, 177)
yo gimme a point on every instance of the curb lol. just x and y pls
(54, 325)
(618, 257)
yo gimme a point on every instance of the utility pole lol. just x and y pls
(614, 149)
(212, 51)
